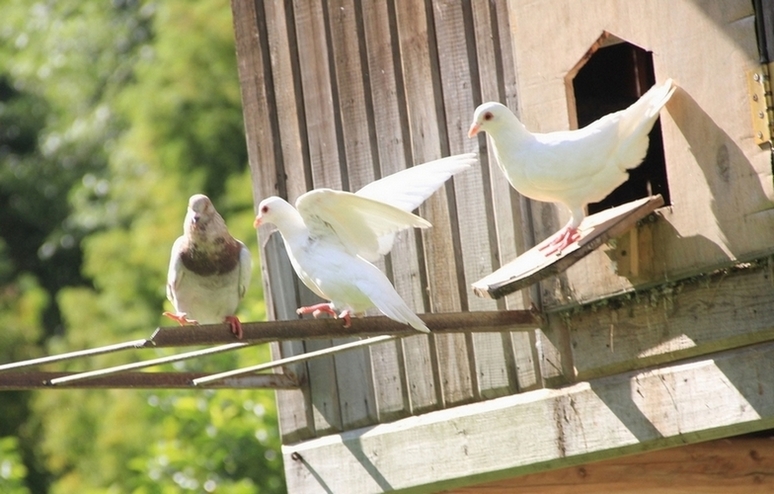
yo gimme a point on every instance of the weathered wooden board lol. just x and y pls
(728, 309)
(738, 465)
(258, 75)
(595, 230)
(720, 181)
(419, 61)
(694, 401)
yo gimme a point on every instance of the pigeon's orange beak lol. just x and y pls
(257, 221)
(474, 129)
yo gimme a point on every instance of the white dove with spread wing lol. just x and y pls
(332, 237)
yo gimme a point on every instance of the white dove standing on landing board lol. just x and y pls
(209, 270)
(573, 167)
(332, 237)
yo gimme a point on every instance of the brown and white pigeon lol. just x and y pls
(573, 167)
(209, 270)
(332, 237)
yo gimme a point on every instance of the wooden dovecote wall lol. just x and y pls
(338, 93)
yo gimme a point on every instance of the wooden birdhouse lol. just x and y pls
(656, 331)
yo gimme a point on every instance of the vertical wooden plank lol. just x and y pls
(353, 369)
(458, 69)
(387, 98)
(283, 53)
(317, 94)
(255, 80)
(419, 58)
(294, 405)
(256, 77)
(525, 344)
(459, 64)
(324, 158)
(496, 355)
(258, 45)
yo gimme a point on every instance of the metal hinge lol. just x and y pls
(761, 104)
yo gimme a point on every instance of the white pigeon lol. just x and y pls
(209, 270)
(332, 237)
(572, 167)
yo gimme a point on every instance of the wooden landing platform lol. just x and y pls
(595, 230)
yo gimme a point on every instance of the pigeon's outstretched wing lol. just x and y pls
(358, 222)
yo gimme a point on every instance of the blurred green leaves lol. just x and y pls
(111, 115)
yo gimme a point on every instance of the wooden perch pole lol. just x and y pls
(326, 328)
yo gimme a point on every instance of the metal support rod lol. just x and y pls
(12, 381)
(146, 363)
(73, 355)
(294, 359)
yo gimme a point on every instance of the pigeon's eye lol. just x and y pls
(488, 116)
(264, 209)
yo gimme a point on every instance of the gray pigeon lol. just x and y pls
(209, 270)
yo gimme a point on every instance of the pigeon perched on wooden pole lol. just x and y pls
(572, 167)
(209, 270)
(332, 237)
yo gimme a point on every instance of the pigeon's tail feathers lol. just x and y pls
(642, 114)
(409, 188)
(636, 122)
(402, 313)
(388, 301)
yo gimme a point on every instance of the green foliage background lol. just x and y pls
(111, 115)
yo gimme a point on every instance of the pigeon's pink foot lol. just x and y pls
(347, 318)
(236, 325)
(560, 241)
(316, 310)
(182, 319)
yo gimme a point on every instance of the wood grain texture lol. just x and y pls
(690, 402)
(595, 230)
(420, 77)
(354, 112)
(728, 309)
(738, 465)
(390, 143)
(292, 163)
(259, 100)
(294, 406)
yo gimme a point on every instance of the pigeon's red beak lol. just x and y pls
(474, 129)
(257, 221)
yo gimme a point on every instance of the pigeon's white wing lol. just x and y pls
(357, 221)
(409, 188)
(245, 269)
(176, 271)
